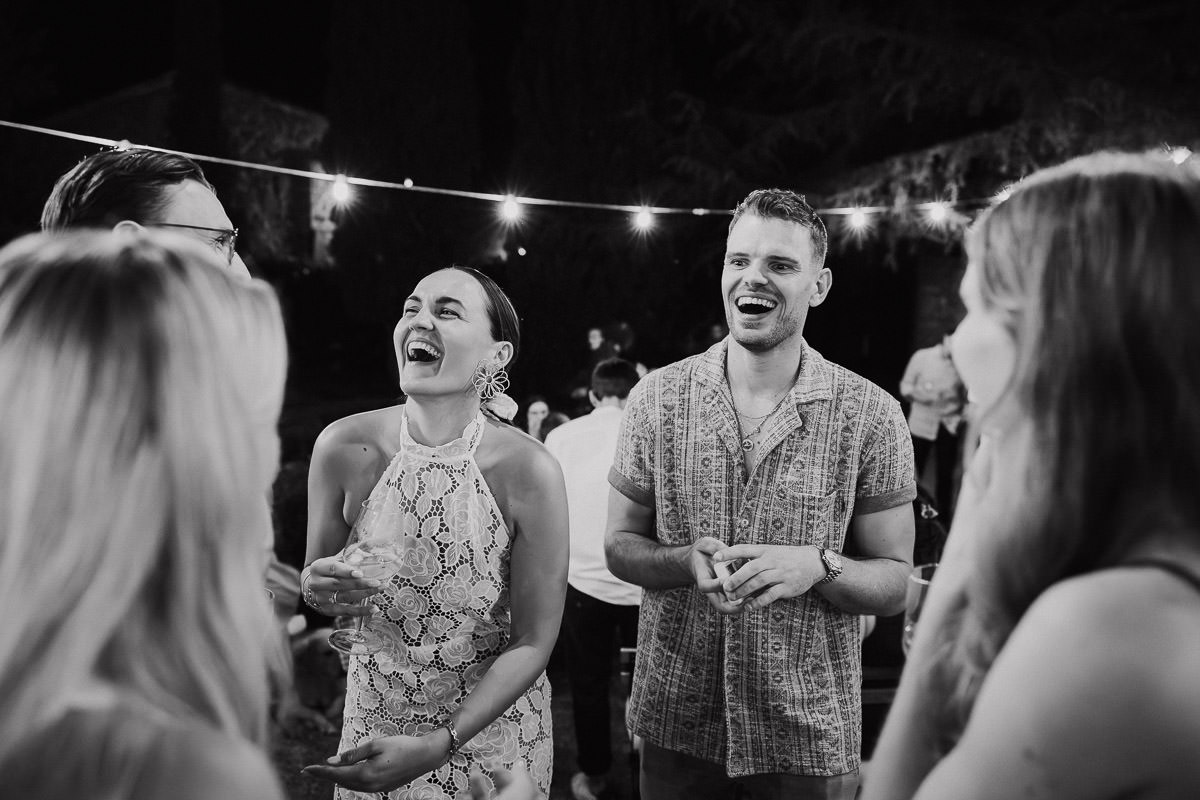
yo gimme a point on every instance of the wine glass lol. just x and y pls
(375, 549)
(914, 600)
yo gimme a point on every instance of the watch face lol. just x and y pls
(833, 560)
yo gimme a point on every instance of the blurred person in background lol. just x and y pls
(602, 610)
(536, 410)
(936, 398)
(553, 420)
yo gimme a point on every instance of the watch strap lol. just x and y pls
(832, 570)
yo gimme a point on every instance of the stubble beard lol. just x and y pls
(762, 340)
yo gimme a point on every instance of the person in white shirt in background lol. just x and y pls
(602, 610)
(937, 399)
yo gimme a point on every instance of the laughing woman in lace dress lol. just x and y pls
(472, 618)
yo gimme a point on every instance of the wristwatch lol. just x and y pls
(833, 565)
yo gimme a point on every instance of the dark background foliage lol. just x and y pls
(670, 102)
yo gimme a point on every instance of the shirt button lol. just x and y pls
(743, 523)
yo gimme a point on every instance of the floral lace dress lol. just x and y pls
(448, 617)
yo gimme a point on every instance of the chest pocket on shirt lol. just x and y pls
(799, 519)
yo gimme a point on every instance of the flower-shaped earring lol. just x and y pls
(489, 380)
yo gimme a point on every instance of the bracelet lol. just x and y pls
(448, 724)
(310, 599)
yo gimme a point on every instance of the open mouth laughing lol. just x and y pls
(421, 352)
(754, 306)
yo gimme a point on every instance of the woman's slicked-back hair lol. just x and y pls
(1092, 265)
(140, 387)
(506, 325)
(114, 185)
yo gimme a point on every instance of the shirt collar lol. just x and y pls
(815, 381)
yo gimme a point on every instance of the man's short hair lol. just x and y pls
(115, 185)
(613, 377)
(786, 205)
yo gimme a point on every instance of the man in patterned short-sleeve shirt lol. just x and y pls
(761, 454)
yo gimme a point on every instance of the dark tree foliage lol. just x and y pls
(695, 104)
(670, 102)
(811, 90)
(588, 83)
(538, 98)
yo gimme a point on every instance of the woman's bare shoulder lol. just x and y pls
(514, 451)
(352, 452)
(362, 428)
(1121, 601)
(366, 436)
(1114, 649)
(1115, 623)
(523, 475)
(1090, 696)
(1148, 620)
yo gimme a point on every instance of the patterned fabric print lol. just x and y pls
(775, 690)
(449, 616)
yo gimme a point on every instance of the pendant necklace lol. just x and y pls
(748, 440)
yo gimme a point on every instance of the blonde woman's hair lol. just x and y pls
(140, 387)
(1094, 267)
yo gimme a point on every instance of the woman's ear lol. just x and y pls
(502, 353)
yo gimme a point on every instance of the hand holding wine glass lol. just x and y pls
(918, 591)
(374, 549)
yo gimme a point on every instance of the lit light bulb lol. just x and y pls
(408, 183)
(644, 219)
(510, 209)
(1180, 154)
(341, 189)
(938, 212)
(520, 251)
(858, 219)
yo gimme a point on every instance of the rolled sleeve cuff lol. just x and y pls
(639, 495)
(869, 505)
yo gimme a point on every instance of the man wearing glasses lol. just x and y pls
(134, 188)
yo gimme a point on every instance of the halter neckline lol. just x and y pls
(463, 445)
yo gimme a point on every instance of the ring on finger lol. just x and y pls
(333, 597)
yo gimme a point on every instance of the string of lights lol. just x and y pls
(510, 206)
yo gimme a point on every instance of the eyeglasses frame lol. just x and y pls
(230, 252)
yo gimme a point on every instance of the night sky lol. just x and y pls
(78, 52)
(663, 101)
